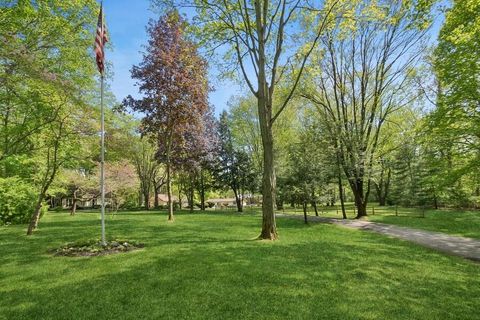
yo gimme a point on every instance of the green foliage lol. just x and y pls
(452, 136)
(457, 57)
(245, 131)
(46, 87)
(17, 200)
(234, 167)
(311, 165)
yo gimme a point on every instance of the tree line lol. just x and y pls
(345, 101)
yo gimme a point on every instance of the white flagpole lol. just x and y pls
(102, 163)
(102, 143)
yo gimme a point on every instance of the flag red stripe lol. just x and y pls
(100, 40)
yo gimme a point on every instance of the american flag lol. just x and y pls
(100, 41)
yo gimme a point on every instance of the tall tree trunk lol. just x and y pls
(265, 105)
(169, 191)
(269, 228)
(361, 210)
(360, 201)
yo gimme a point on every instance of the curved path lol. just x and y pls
(467, 248)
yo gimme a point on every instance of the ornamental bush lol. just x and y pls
(17, 200)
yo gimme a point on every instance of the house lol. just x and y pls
(163, 199)
(90, 202)
(81, 203)
(224, 202)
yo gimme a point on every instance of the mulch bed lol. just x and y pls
(95, 248)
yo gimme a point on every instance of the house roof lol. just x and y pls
(224, 200)
(164, 197)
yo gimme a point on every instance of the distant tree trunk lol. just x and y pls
(169, 190)
(279, 203)
(341, 194)
(304, 205)
(181, 192)
(74, 203)
(382, 201)
(314, 203)
(202, 191)
(180, 198)
(155, 201)
(140, 198)
(239, 205)
(238, 200)
(191, 193)
(383, 187)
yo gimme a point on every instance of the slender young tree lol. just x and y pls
(173, 79)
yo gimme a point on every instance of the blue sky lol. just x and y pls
(126, 22)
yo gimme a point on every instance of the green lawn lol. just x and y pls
(455, 222)
(206, 266)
